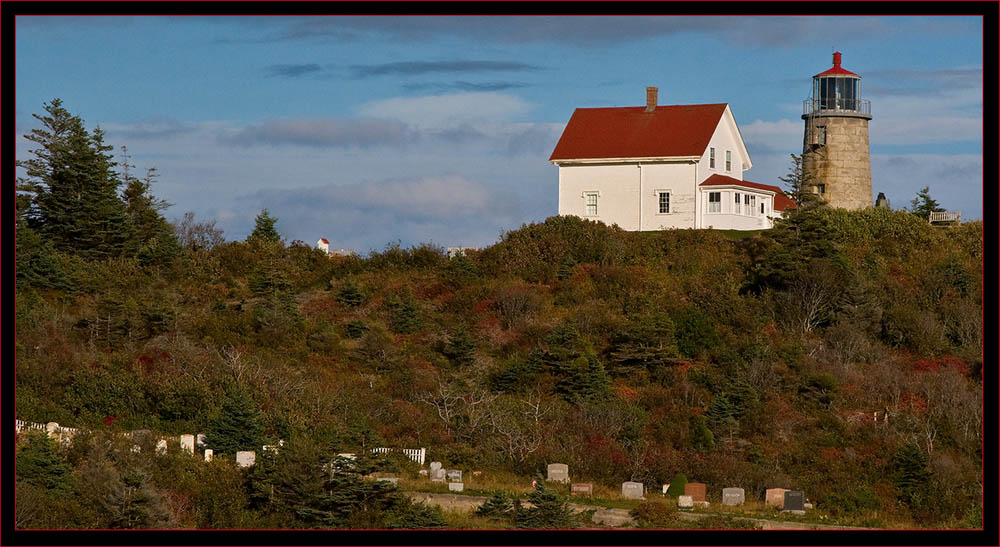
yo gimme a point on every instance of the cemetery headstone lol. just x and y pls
(437, 475)
(246, 458)
(456, 486)
(581, 489)
(477, 473)
(697, 490)
(807, 505)
(685, 503)
(435, 466)
(423, 472)
(161, 446)
(733, 496)
(558, 472)
(665, 488)
(775, 497)
(200, 439)
(52, 428)
(794, 500)
(632, 490)
(454, 475)
(209, 453)
(187, 443)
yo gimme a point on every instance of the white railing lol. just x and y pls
(945, 216)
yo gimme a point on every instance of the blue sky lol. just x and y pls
(368, 131)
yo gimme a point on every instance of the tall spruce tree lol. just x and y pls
(75, 202)
(264, 229)
(800, 185)
(923, 205)
(237, 426)
(154, 239)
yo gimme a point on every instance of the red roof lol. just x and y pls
(631, 132)
(323, 239)
(781, 201)
(836, 70)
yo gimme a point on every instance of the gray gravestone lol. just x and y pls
(454, 475)
(161, 446)
(794, 500)
(685, 503)
(632, 490)
(581, 489)
(435, 466)
(733, 496)
(246, 458)
(558, 472)
(200, 439)
(455, 486)
(437, 475)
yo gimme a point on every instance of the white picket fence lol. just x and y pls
(416, 454)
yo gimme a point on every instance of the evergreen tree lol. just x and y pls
(549, 511)
(701, 436)
(237, 426)
(154, 239)
(350, 295)
(647, 343)
(911, 474)
(923, 205)
(677, 485)
(40, 463)
(264, 229)
(801, 186)
(497, 506)
(460, 349)
(75, 203)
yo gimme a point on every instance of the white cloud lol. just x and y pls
(436, 111)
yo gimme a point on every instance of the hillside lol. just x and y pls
(756, 362)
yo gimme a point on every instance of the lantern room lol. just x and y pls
(837, 90)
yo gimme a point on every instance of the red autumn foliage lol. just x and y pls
(626, 393)
(934, 365)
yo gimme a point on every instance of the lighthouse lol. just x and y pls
(835, 148)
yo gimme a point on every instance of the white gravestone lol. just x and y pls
(161, 446)
(246, 458)
(200, 440)
(632, 490)
(208, 454)
(456, 486)
(665, 488)
(187, 443)
(437, 475)
(685, 503)
(558, 472)
(733, 496)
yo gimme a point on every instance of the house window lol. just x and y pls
(729, 160)
(591, 204)
(711, 158)
(753, 205)
(664, 202)
(762, 208)
(714, 202)
(736, 207)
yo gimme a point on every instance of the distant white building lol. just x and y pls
(455, 251)
(324, 245)
(657, 167)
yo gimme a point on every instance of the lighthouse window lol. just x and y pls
(821, 188)
(820, 134)
(714, 202)
(729, 160)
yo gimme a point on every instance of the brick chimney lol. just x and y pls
(650, 99)
(836, 59)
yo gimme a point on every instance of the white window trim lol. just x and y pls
(656, 195)
(711, 157)
(709, 202)
(597, 199)
(729, 161)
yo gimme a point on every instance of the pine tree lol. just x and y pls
(40, 463)
(154, 239)
(75, 203)
(237, 426)
(677, 485)
(264, 229)
(350, 295)
(549, 511)
(911, 474)
(801, 185)
(923, 205)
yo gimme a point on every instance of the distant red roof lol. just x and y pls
(781, 201)
(631, 132)
(323, 239)
(837, 70)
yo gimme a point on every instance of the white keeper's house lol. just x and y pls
(658, 167)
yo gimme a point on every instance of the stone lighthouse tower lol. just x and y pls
(835, 148)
